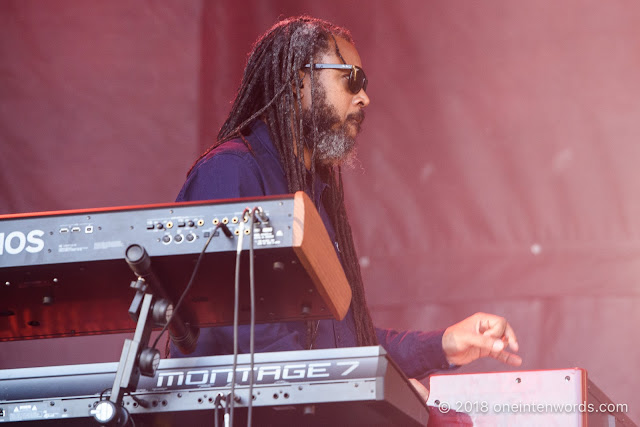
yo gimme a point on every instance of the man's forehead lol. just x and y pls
(347, 50)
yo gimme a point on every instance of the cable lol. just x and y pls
(226, 231)
(103, 392)
(216, 407)
(227, 407)
(252, 327)
(236, 306)
(139, 401)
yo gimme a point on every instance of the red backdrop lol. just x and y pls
(498, 165)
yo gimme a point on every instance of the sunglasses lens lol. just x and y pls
(357, 80)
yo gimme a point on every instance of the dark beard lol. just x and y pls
(333, 146)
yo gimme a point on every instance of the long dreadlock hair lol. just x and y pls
(266, 92)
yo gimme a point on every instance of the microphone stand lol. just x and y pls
(150, 307)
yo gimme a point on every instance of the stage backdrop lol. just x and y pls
(498, 164)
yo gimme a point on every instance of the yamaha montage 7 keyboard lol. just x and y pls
(64, 273)
(349, 386)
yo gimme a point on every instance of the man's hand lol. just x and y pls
(480, 335)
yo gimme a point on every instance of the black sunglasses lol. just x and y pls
(357, 77)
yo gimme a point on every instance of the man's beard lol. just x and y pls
(334, 145)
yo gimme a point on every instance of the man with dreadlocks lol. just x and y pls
(293, 123)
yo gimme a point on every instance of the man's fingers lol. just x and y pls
(493, 325)
(497, 352)
(478, 336)
(498, 327)
(489, 346)
(511, 338)
(497, 346)
(508, 358)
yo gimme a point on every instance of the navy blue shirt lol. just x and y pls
(231, 171)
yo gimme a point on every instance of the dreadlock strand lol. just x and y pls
(365, 331)
(315, 126)
(257, 113)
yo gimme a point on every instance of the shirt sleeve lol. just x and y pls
(418, 354)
